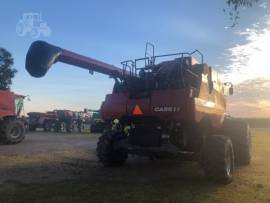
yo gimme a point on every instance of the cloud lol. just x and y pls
(249, 70)
(250, 59)
(251, 99)
(263, 5)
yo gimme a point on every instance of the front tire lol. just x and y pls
(239, 132)
(107, 154)
(32, 128)
(13, 132)
(219, 159)
(97, 127)
(47, 126)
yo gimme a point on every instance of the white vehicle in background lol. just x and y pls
(33, 24)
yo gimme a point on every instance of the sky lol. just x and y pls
(113, 31)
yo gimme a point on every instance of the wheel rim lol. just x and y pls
(15, 132)
(228, 162)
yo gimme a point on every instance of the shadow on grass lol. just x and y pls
(140, 180)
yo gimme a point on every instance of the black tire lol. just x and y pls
(13, 132)
(96, 128)
(47, 126)
(107, 154)
(32, 128)
(58, 127)
(239, 132)
(67, 127)
(93, 128)
(219, 159)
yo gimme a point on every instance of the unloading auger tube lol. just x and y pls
(42, 55)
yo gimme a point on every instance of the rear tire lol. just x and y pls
(32, 128)
(219, 159)
(107, 154)
(13, 132)
(58, 127)
(97, 127)
(47, 126)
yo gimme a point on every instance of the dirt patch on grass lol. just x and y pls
(45, 157)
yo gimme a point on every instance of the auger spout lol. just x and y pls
(42, 55)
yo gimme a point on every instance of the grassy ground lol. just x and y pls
(258, 122)
(155, 181)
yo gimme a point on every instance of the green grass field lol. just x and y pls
(155, 181)
(258, 122)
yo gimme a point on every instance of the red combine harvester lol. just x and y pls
(41, 120)
(12, 128)
(56, 119)
(174, 107)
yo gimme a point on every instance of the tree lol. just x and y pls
(234, 6)
(6, 70)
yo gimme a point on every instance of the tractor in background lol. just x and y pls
(41, 120)
(57, 120)
(97, 125)
(91, 120)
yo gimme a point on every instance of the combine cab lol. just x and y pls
(161, 105)
(11, 127)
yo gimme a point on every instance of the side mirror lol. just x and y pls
(28, 98)
(229, 85)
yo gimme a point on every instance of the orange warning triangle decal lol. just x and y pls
(137, 111)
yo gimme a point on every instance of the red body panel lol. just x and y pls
(212, 110)
(163, 104)
(7, 103)
(176, 105)
(166, 105)
(114, 106)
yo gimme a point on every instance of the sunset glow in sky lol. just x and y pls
(249, 70)
(250, 60)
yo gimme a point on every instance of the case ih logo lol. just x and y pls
(167, 109)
